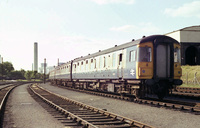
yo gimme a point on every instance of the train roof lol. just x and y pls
(159, 38)
(115, 48)
(129, 44)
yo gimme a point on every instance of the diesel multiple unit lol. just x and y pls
(150, 64)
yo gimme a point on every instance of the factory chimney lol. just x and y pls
(35, 57)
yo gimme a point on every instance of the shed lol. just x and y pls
(189, 39)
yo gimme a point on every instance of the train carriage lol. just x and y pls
(151, 63)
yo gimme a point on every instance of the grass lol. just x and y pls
(188, 76)
(189, 85)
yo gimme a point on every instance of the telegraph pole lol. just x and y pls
(44, 70)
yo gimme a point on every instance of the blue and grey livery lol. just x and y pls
(151, 63)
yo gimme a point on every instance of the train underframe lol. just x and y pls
(134, 88)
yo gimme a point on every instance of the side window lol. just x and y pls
(82, 66)
(69, 68)
(104, 60)
(92, 64)
(95, 63)
(100, 62)
(114, 60)
(109, 61)
(86, 65)
(120, 59)
(74, 67)
(132, 56)
(78, 68)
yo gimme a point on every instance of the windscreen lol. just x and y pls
(144, 54)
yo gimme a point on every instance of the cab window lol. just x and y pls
(144, 54)
(177, 55)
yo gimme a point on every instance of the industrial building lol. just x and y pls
(35, 68)
(189, 38)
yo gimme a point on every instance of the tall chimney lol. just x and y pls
(35, 57)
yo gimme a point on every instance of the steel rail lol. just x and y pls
(187, 90)
(129, 121)
(65, 112)
(3, 100)
(175, 105)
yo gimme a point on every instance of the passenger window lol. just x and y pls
(95, 63)
(82, 66)
(101, 63)
(86, 65)
(132, 56)
(113, 59)
(74, 67)
(104, 65)
(120, 58)
(145, 54)
(109, 61)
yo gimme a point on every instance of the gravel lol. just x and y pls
(22, 111)
(157, 117)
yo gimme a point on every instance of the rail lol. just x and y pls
(4, 92)
(81, 114)
(192, 107)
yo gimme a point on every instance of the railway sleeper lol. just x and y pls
(80, 119)
(93, 117)
(101, 120)
(116, 122)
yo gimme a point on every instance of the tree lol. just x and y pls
(29, 75)
(6, 68)
(17, 75)
(23, 72)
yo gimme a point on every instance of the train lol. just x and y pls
(151, 64)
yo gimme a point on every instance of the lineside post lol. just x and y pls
(44, 71)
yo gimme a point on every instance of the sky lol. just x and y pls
(67, 29)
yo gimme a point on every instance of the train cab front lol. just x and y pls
(163, 67)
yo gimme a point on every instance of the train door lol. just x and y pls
(120, 65)
(163, 61)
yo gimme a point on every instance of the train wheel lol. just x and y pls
(140, 92)
(161, 95)
(161, 90)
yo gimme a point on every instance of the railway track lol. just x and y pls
(4, 92)
(187, 92)
(80, 115)
(185, 106)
